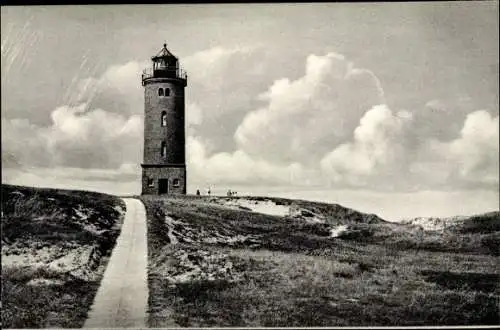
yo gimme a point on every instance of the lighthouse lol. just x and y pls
(164, 163)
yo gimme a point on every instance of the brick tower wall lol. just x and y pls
(169, 173)
(174, 133)
(172, 166)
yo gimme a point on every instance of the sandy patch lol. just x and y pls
(265, 207)
(188, 233)
(434, 224)
(119, 208)
(29, 256)
(45, 281)
(271, 208)
(200, 265)
(337, 231)
(80, 214)
(50, 257)
(171, 236)
(93, 229)
(74, 259)
(306, 215)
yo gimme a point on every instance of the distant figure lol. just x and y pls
(229, 193)
(197, 192)
(208, 192)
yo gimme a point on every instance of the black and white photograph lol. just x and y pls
(250, 165)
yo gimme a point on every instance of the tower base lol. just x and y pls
(163, 179)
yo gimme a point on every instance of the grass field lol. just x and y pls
(213, 262)
(55, 247)
(210, 265)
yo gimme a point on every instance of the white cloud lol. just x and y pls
(376, 149)
(81, 133)
(306, 117)
(477, 149)
(238, 168)
(95, 138)
(77, 138)
(470, 159)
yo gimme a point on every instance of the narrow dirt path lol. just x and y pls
(122, 298)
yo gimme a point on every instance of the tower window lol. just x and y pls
(167, 91)
(151, 182)
(163, 119)
(164, 149)
(160, 91)
(176, 183)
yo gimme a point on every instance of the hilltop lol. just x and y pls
(255, 261)
(480, 223)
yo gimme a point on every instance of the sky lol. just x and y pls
(389, 108)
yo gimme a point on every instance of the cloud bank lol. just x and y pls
(329, 127)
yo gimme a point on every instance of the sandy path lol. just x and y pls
(122, 298)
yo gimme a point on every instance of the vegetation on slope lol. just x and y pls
(55, 246)
(211, 265)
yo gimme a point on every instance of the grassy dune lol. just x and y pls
(55, 247)
(210, 265)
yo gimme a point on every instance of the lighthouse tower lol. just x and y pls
(164, 166)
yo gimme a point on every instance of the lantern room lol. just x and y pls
(165, 65)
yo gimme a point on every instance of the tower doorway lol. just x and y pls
(163, 186)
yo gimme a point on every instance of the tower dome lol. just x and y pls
(165, 65)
